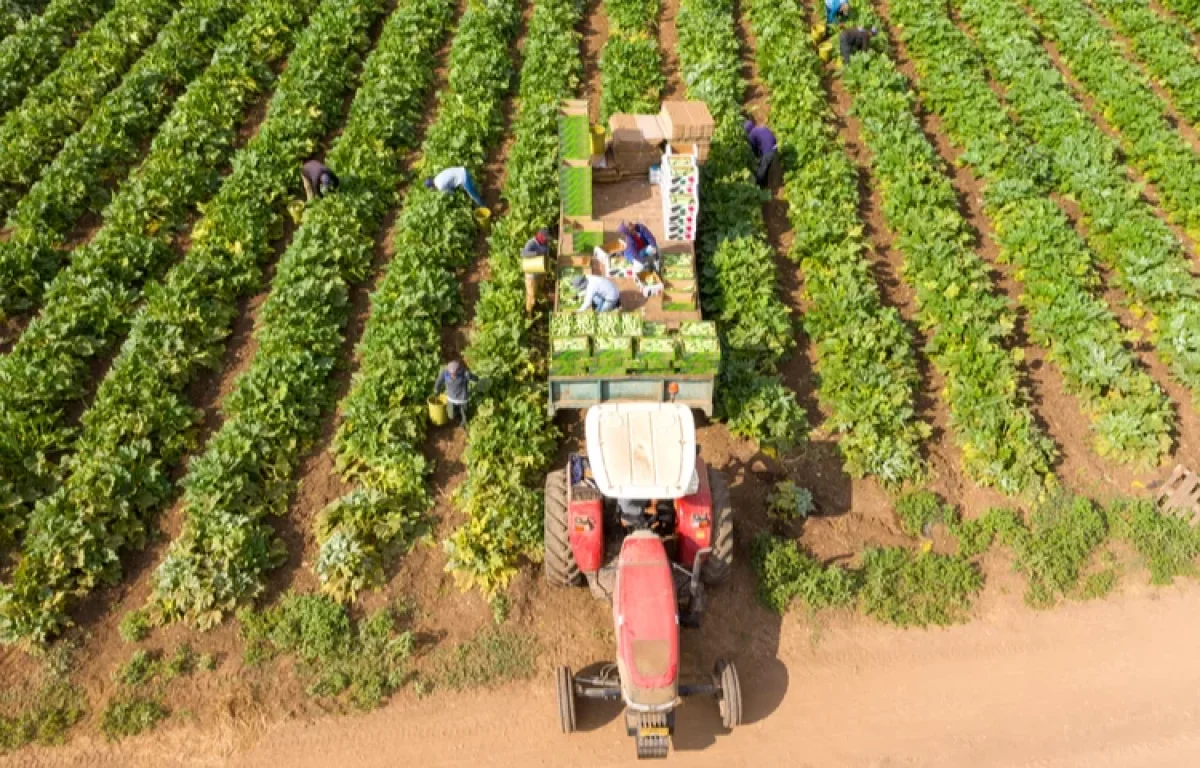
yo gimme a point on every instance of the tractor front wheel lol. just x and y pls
(725, 676)
(565, 684)
(561, 568)
(715, 568)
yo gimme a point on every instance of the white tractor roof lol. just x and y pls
(642, 450)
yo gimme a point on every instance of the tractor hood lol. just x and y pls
(642, 450)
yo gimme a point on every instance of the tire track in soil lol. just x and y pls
(1058, 412)
(943, 455)
(1150, 193)
(668, 43)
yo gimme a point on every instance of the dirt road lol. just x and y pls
(1106, 684)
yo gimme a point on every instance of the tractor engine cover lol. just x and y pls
(646, 619)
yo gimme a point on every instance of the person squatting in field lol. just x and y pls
(456, 380)
(599, 293)
(537, 247)
(641, 249)
(853, 41)
(318, 179)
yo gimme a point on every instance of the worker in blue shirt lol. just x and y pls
(455, 178)
(599, 293)
(641, 249)
(764, 146)
(834, 9)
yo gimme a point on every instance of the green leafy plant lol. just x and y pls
(126, 716)
(34, 49)
(1167, 544)
(492, 657)
(363, 661)
(738, 278)
(919, 510)
(104, 149)
(379, 443)
(1148, 262)
(631, 78)
(44, 711)
(786, 573)
(970, 325)
(134, 626)
(1052, 552)
(225, 550)
(1130, 416)
(141, 422)
(976, 535)
(56, 107)
(510, 440)
(789, 502)
(867, 368)
(908, 588)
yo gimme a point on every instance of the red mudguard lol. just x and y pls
(693, 519)
(587, 533)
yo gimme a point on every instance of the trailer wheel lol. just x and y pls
(560, 565)
(565, 684)
(730, 701)
(716, 567)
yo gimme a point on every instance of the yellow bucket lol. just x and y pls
(482, 216)
(533, 265)
(437, 410)
(818, 33)
(826, 50)
(598, 136)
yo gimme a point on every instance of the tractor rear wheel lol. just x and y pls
(561, 568)
(725, 675)
(564, 683)
(719, 562)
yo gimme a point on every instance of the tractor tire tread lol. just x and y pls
(717, 566)
(561, 569)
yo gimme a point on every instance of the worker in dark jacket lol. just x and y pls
(456, 380)
(763, 145)
(853, 41)
(318, 179)
(538, 245)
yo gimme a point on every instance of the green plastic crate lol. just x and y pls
(575, 186)
(574, 137)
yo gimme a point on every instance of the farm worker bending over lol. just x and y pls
(641, 249)
(834, 9)
(853, 41)
(763, 145)
(456, 380)
(456, 178)
(599, 293)
(318, 180)
(539, 246)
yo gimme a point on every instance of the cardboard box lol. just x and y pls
(635, 131)
(651, 129)
(686, 120)
(700, 147)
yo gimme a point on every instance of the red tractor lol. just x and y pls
(646, 523)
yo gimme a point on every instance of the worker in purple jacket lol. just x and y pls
(641, 249)
(764, 146)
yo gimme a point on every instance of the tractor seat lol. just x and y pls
(645, 612)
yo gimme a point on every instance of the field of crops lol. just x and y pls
(974, 279)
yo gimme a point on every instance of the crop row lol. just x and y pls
(865, 360)
(1090, 53)
(510, 439)
(1188, 11)
(1129, 415)
(34, 49)
(100, 153)
(142, 423)
(969, 325)
(631, 77)
(89, 304)
(379, 445)
(246, 473)
(54, 109)
(738, 276)
(1148, 262)
(1164, 47)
